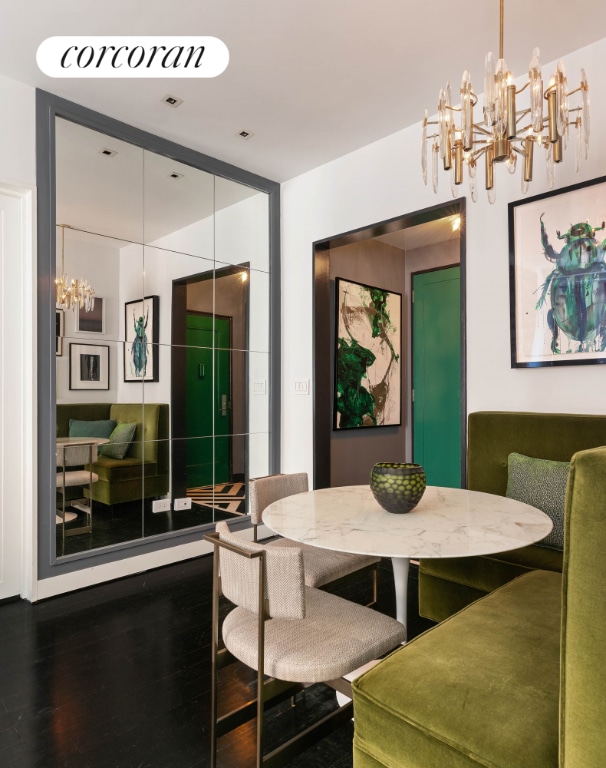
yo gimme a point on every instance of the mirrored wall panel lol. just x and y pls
(162, 342)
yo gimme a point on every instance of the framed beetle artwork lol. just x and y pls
(142, 326)
(557, 277)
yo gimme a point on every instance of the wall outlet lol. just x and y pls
(182, 504)
(161, 505)
(302, 387)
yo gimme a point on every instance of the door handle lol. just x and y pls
(223, 405)
(201, 371)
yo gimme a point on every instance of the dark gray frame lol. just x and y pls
(48, 107)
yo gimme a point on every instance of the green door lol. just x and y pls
(208, 400)
(436, 375)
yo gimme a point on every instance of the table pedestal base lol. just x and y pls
(400, 578)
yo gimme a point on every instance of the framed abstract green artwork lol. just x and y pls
(368, 372)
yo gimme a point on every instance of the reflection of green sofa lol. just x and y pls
(447, 585)
(144, 471)
(514, 680)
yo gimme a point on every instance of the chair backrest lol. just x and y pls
(263, 491)
(284, 578)
(583, 649)
(76, 454)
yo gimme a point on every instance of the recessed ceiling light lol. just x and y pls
(172, 101)
(175, 175)
(245, 134)
(108, 152)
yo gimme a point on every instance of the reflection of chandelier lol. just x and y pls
(74, 293)
(505, 132)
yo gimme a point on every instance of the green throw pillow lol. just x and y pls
(542, 484)
(119, 441)
(102, 428)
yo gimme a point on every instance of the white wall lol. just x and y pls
(383, 180)
(17, 342)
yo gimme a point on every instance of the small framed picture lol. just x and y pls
(88, 366)
(93, 321)
(142, 326)
(59, 331)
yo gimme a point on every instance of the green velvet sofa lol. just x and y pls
(145, 470)
(447, 585)
(517, 679)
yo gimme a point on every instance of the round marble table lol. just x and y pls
(448, 522)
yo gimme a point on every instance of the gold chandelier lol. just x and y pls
(72, 293)
(505, 132)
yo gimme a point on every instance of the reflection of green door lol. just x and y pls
(436, 371)
(207, 393)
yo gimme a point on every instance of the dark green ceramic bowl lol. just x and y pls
(398, 487)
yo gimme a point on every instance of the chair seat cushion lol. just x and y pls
(335, 637)
(75, 477)
(323, 566)
(110, 469)
(479, 689)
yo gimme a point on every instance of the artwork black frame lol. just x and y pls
(59, 331)
(397, 399)
(152, 333)
(76, 381)
(537, 335)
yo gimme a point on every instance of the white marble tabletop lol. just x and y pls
(447, 522)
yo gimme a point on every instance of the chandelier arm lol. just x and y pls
(502, 14)
(523, 88)
(479, 129)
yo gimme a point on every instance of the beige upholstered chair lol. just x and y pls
(292, 633)
(322, 566)
(81, 455)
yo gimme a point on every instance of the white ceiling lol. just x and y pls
(313, 80)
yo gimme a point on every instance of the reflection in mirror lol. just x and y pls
(168, 374)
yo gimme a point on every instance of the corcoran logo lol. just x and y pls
(95, 56)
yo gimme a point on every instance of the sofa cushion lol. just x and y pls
(479, 689)
(119, 441)
(99, 428)
(542, 484)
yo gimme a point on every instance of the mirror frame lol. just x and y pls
(48, 108)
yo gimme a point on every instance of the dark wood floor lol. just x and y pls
(118, 676)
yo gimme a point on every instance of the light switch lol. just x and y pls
(259, 387)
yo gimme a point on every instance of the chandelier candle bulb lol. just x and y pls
(458, 167)
(551, 112)
(489, 167)
(511, 111)
(528, 157)
(448, 151)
